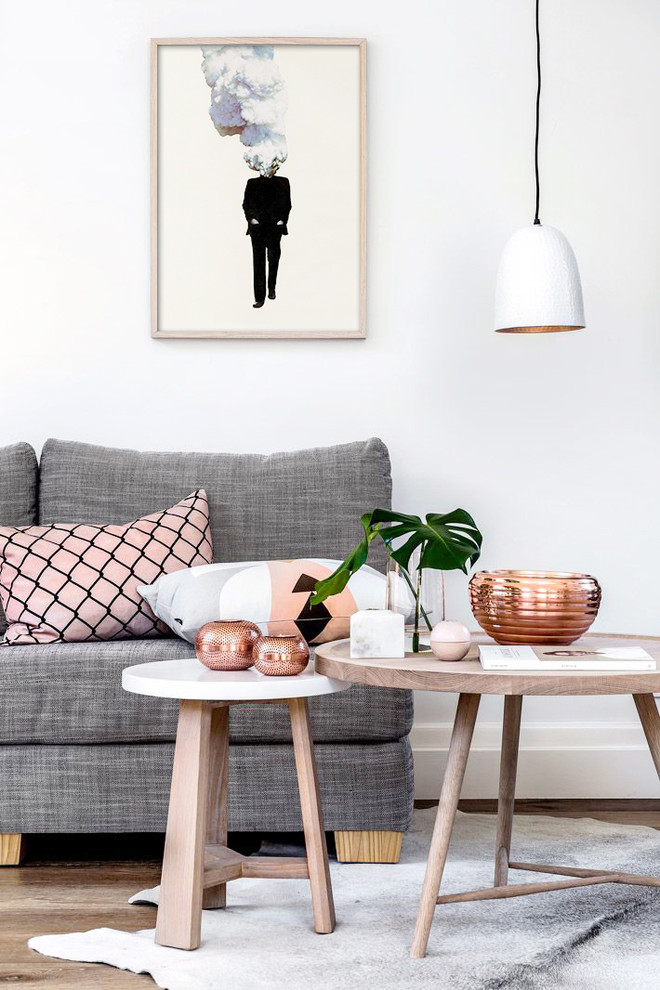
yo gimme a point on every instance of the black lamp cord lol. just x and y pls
(538, 106)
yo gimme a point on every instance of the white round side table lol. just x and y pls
(197, 863)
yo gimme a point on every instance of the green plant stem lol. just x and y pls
(418, 595)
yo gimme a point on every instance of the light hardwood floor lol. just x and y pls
(60, 888)
(628, 812)
(40, 900)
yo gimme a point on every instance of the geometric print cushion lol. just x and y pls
(70, 583)
(275, 594)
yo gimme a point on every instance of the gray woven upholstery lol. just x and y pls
(18, 485)
(125, 788)
(71, 693)
(263, 507)
(77, 754)
(18, 491)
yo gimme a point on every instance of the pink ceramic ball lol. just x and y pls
(450, 640)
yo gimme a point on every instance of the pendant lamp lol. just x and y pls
(538, 283)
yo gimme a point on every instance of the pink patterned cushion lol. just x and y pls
(69, 582)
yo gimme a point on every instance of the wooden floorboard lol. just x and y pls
(43, 900)
(71, 884)
(621, 811)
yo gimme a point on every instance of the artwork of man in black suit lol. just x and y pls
(266, 204)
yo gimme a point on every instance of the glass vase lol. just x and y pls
(420, 596)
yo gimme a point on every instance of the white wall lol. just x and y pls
(551, 441)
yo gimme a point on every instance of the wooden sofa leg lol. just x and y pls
(368, 847)
(11, 849)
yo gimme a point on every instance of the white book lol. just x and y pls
(614, 658)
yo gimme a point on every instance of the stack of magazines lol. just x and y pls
(613, 658)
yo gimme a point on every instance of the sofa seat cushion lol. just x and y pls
(117, 788)
(71, 693)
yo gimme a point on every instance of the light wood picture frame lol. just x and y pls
(289, 114)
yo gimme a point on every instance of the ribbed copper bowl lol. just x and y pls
(534, 606)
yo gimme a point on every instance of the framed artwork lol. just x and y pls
(258, 170)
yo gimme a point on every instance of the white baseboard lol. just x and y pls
(557, 760)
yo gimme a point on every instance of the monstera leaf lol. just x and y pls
(447, 542)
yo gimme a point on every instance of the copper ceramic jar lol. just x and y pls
(281, 656)
(227, 645)
(534, 607)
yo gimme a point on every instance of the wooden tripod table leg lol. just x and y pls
(216, 831)
(647, 709)
(459, 748)
(507, 792)
(310, 804)
(180, 909)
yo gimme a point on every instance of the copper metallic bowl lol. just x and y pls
(534, 606)
(226, 645)
(281, 656)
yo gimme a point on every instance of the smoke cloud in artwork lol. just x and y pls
(248, 98)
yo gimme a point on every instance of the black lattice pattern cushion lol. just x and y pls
(75, 582)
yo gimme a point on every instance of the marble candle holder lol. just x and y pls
(377, 633)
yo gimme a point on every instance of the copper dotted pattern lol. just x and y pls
(226, 645)
(280, 656)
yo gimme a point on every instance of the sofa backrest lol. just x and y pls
(263, 507)
(18, 491)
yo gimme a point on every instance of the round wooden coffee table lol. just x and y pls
(197, 863)
(468, 679)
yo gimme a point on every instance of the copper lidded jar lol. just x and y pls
(534, 607)
(281, 656)
(227, 645)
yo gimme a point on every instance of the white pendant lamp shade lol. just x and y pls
(538, 284)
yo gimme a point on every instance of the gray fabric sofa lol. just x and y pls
(77, 754)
